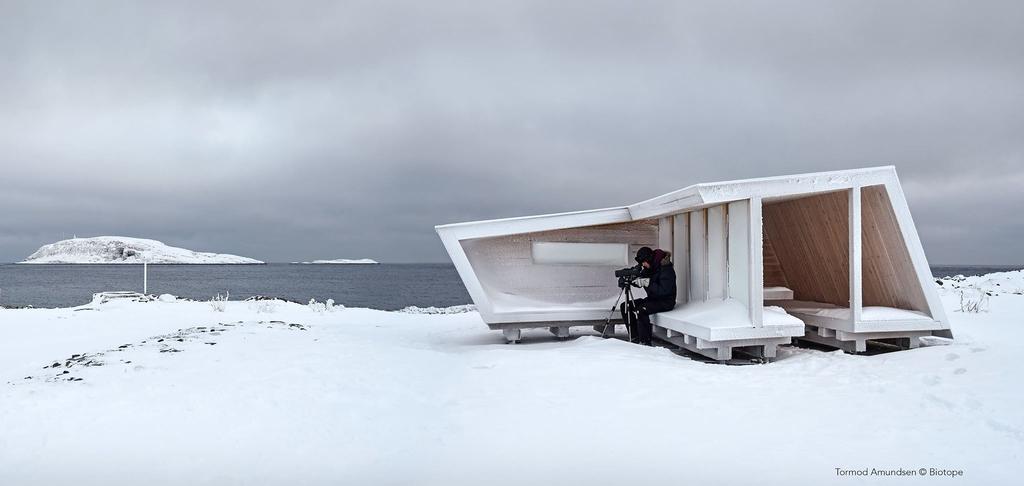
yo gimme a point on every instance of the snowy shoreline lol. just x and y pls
(276, 392)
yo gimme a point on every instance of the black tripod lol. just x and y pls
(626, 287)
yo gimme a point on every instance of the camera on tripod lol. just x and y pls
(628, 275)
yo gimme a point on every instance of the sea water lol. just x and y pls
(385, 286)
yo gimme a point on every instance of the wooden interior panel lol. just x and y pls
(888, 273)
(773, 275)
(809, 237)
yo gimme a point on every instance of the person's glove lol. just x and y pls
(643, 282)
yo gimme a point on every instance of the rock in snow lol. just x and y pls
(119, 249)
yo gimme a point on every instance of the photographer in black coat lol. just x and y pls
(660, 289)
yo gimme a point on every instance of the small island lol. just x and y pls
(341, 261)
(125, 250)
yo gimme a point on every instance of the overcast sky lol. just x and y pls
(297, 130)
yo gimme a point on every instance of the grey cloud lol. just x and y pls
(296, 130)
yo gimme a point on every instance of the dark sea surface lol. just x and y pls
(940, 271)
(385, 286)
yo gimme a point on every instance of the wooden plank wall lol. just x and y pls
(773, 274)
(888, 273)
(810, 239)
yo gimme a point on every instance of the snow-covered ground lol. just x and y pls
(342, 261)
(121, 249)
(281, 393)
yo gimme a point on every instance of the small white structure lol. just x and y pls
(831, 257)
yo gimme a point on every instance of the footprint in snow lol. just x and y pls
(940, 401)
(1007, 429)
(952, 357)
(932, 380)
(959, 371)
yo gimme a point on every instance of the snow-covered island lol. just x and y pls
(341, 261)
(170, 391)
(125, 250)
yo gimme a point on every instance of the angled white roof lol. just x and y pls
(685, 199)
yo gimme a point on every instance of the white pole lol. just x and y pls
(145, 278)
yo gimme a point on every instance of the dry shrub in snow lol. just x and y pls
(321, 307)
(220, 302)
(974, 300)
(263, 306)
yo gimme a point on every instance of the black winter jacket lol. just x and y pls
(662, 286)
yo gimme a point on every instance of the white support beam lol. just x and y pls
(738, 242)
(756, 263)
(698, 256)
(856, 267)
(665, 233)
(718, 271)
(681, 255)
